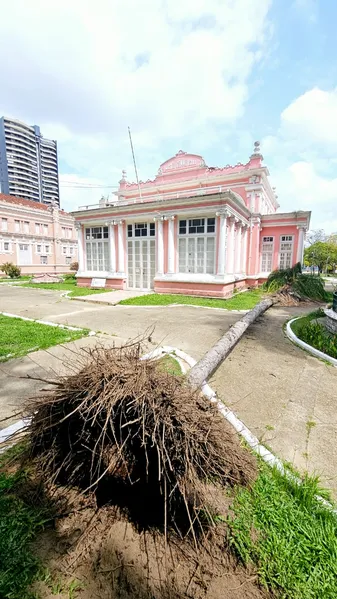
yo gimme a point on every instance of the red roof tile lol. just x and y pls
(22, 202)
(26, 203)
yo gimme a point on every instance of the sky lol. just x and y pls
(204, 76)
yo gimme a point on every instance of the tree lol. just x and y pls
(321, 254)
(315, 235)
(11, 270)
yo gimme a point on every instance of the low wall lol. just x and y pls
(199, 289)
(39, 269)
(110, 283)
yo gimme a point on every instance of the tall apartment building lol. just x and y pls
(28, 163)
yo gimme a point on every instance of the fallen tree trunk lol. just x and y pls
(222, 348)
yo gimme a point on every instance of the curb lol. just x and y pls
(312, 350)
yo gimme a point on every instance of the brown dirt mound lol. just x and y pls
(137, 438)
(106, 558)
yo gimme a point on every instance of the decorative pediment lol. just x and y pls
(182, 161)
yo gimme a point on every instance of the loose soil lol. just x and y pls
(111, 560)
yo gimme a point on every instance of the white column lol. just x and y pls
(79, 230)
(121, 251)
(244, 250)
(160, 247)
(112, 247)
(300, 246)
(238, 248)
(222, 243)
(230, 246)
(171, 245)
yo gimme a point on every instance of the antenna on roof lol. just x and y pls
(134, 163)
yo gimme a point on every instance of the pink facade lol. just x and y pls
(36, 237)
(194, 229)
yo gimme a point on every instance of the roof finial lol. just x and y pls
(257, 151)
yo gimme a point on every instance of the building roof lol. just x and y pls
(27, 203)
(22, 202)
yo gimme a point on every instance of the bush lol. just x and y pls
(74, 266)
(318, 337)
(279, 278)
(292, 280)
(11, 270)
(70, 276)
(311, 287)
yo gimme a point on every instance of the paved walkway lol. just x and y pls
(285, 396)
(112, 297)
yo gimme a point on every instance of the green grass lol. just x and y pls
(240, 301)
(315, 334)
(20, 336)
(20, 523)
(21, 278)
(290, 537)
(67, 286)
(169, 364)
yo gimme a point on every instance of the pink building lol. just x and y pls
(36, 237)
(194, 229)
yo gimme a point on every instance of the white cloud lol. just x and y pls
(86, 70)
(313, 117)
(302, 157)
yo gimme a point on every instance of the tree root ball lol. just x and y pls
(138, 438)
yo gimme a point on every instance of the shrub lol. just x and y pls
(317, 336)
(292, 279)
(11, 270)
(74, 266)
(311, 287)
(70, 276)
(279, 278)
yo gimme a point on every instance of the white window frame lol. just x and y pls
(97, 249)
(45, 229)
(39, 251)
(26, 226)
(37, 228)
(64, 250)
(286, 254)
(267, 253)
(17, 227)
(4, 224)
(2, 246)
(63, 232)
(68, 260)
(192, 259)
(43, 259)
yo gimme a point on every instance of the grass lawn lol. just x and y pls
(169, 364)
(20, 523)
(20, 336)
(67, 286)
(288, 535)
(17, 279)
(315, 334)
(240, 301)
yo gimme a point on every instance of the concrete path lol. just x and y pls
(286, 397)
(112, 297)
